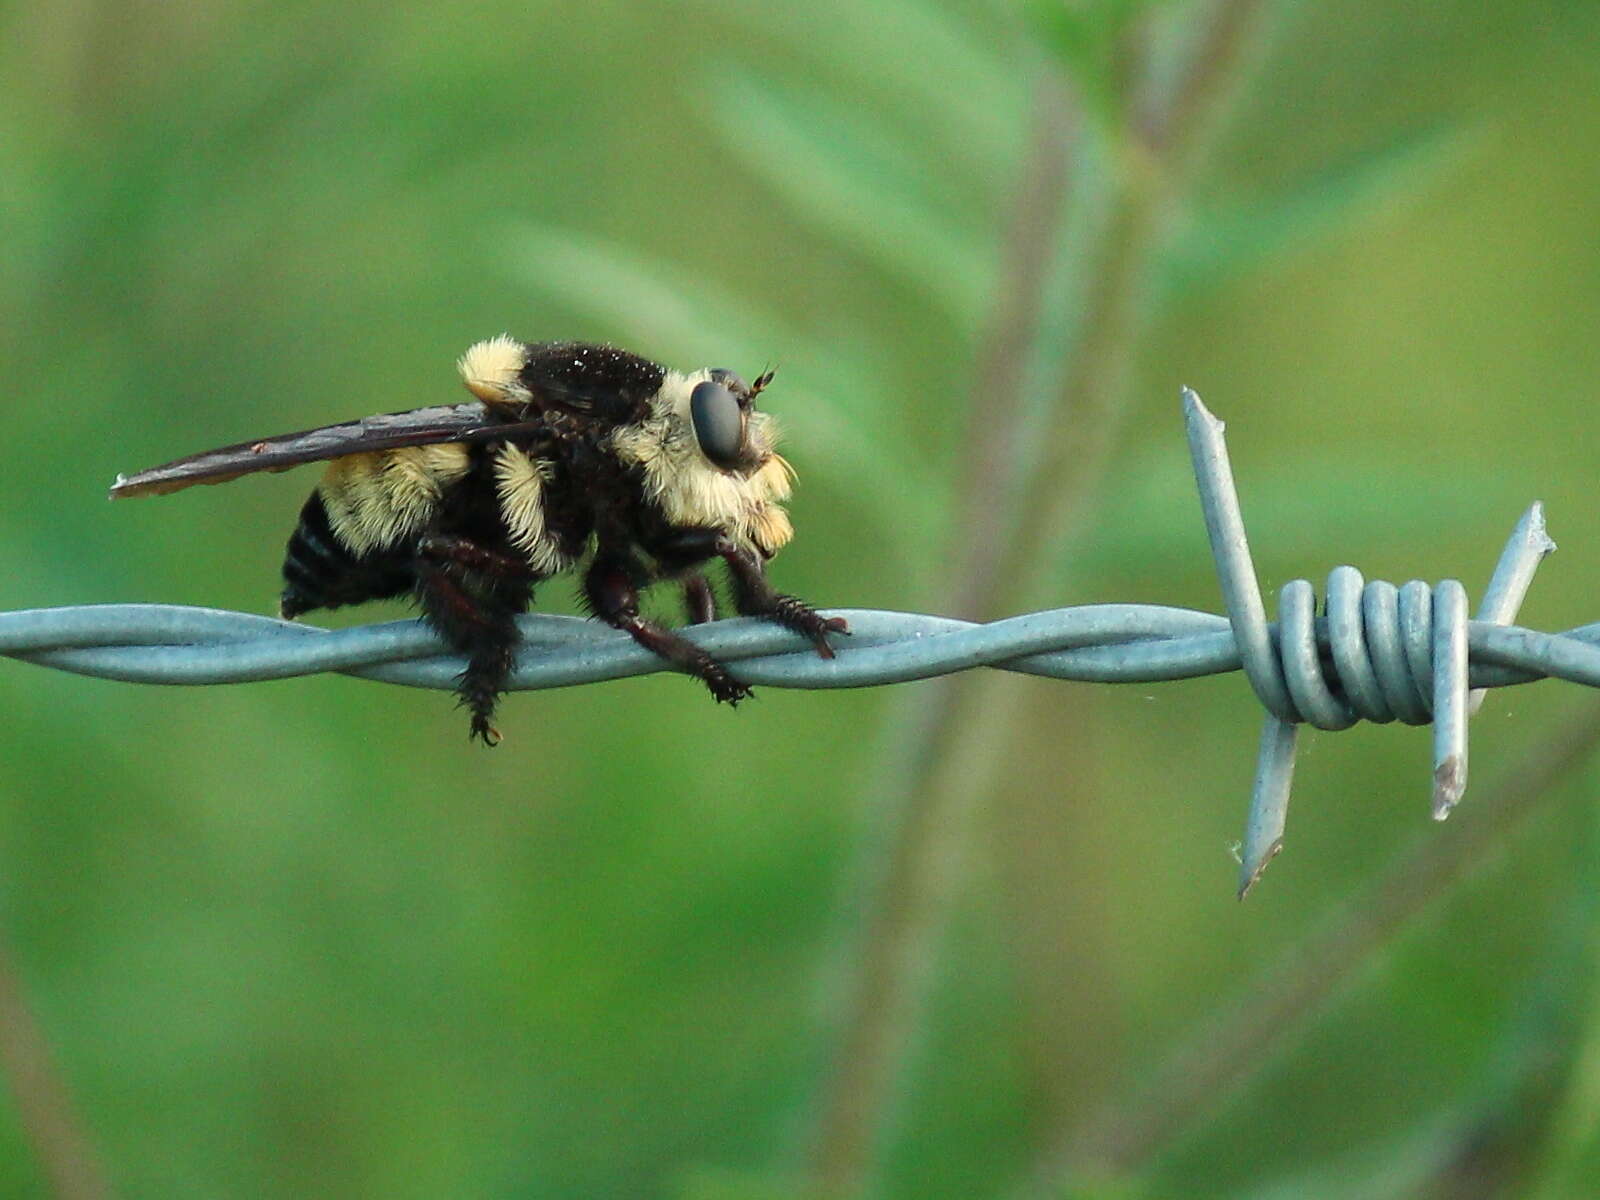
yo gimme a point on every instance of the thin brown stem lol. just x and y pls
(994, 459)
(61, 1145)
(1177, 132)
(1219, 1057)
(950, 754)
(1086, 421)
(1078, 442)
(905, 897)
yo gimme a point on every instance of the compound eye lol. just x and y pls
(718, 423)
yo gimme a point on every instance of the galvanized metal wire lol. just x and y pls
(1377, 652)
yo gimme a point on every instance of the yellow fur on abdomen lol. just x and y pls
(376, 499)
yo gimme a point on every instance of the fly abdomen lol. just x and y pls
(320, 571)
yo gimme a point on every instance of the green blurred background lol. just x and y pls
(302, 939)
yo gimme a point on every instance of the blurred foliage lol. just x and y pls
(302, 939)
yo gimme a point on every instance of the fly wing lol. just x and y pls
(419, 427)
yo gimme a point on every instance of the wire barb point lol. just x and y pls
(1449, 783)
(1249, 881)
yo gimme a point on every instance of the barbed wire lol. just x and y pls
(1378, 653)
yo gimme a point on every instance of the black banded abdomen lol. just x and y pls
(319, 571)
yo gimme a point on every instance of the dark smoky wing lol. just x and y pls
(419, 427)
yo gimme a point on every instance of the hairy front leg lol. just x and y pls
(611, 587)
(754, 596)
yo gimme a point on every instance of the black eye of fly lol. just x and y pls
(734, 382)
(718, 423)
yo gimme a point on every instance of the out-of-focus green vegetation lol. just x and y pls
(302, 939)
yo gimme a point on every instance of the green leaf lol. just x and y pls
(1079, 33)
(952, 83)
(859, 183)
(1353, 497)
(1397, 1167)
(1089, 40)
(707, 1184)
(1221, 243)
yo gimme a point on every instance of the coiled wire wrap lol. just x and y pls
(1379, 653)
(1396, 653)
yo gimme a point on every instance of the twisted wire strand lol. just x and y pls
(1377, 653)
(1093, 643)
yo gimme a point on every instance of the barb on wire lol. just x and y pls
(1380, 653)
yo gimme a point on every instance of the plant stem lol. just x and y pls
(60, 1143)
(949, 755)
(908, 892)
(1234, 1045)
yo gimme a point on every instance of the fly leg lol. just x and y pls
(463, 554)
(754, 596)
(611, 587)
(471, 594)
(699, 599)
